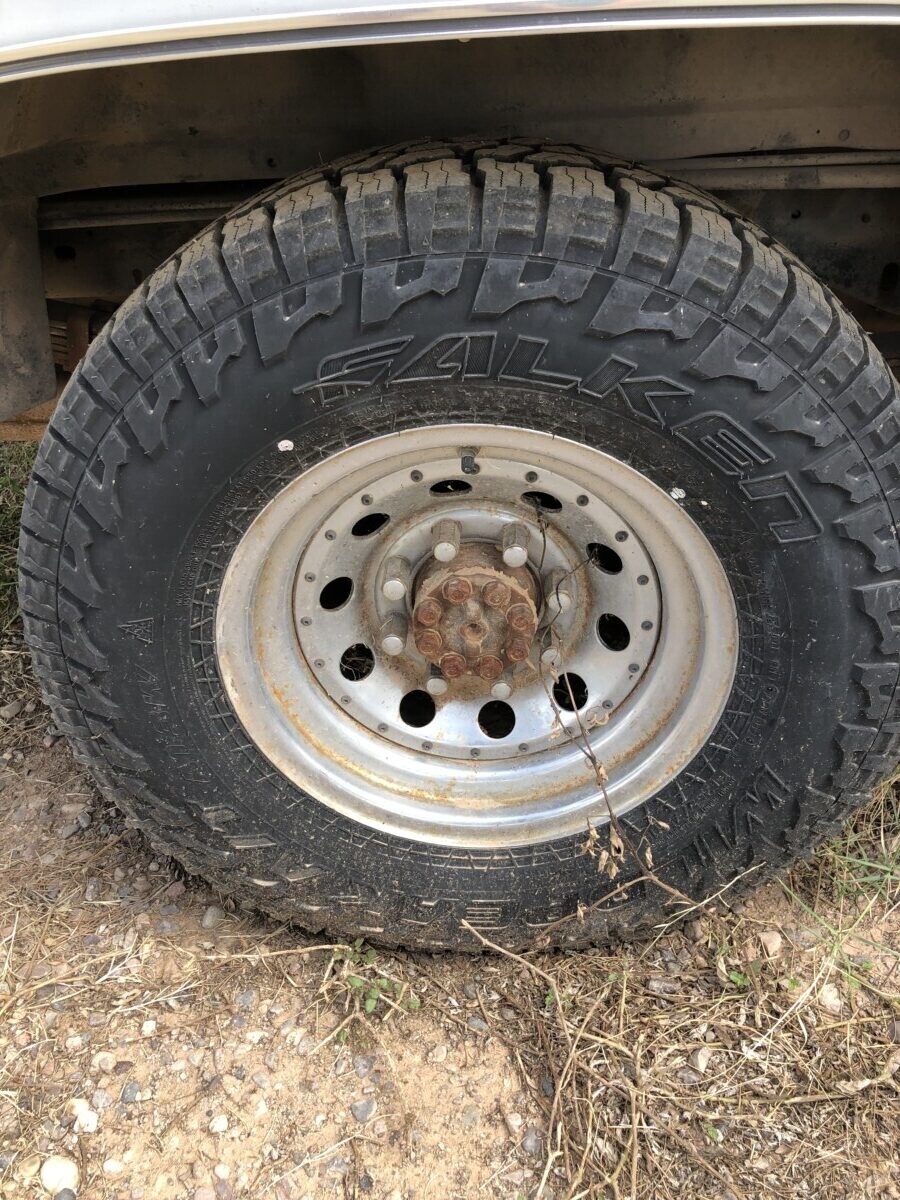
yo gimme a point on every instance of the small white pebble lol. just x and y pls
(59, 1173)
(677, 493)
(112, 1166)
(285, 445)
(148, 1028)
(221, 1170)
(218, 1124)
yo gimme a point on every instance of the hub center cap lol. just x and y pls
(476, 615)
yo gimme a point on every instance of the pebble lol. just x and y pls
(247, 999)
(218, 1124)
(12, 709)
(59, 1173)
(130, 1092)
(693, 930)
(479, 1024)
(363, 1064)
(112, 1166)
(438, 1054)
(204, 1193)
(533, 1141)
(662, 987)
(514, 1122)
(212, 917)
(771, 941)
(700, 1057)
(104, 1062)
(363, 1110)
(470, 1116)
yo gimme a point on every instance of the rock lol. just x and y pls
(688, 1077)
(470, 1116)
(438, 1054)
(533, 1141)
(104, 1062)
(662, 987)
(514, 1122)
(212, 917)
(59, 1173)
(363, 1110)
(222, 1171)
(700, 1057)
(363, 1064)
(65, 1194)
(479, 1024)
(693, 930)
(130, 1092)
(547, 1086)
(204, 1193)
(218, 1124)
(260, 1079)
(112, 1166)
(28, 1167)
(247, 1000)
(148, 1028)
(830, 998)
(12, 709)
(771, 942)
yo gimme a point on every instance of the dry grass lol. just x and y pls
(752, 1053)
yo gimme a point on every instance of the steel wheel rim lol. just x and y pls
(279, 650)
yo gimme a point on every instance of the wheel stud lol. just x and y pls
(428, 613)
(514, 544)
(453, 665)
(558, 592)
(396, 579)
(518, 649)
(436, 684)
(456, 590)
(502, 689)
(429, 642)
(495, 594)
(393, 635)
(445, 536)
(520, 619)
(489, 667)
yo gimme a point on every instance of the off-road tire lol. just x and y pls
(731, 373)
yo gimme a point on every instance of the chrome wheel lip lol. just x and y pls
(503, 802)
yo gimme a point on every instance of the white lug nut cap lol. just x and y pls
(436, 685)
(445, 540)
(393, 635)
(558, 591)
(396, 579)
(550, 656)
(514, 544)
(501, 690)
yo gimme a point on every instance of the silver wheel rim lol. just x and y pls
(337, 723)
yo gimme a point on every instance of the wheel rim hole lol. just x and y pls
(570, 692)
(604, 558)
(357, 662)
(417, 709)
(369, 524)
(336, 593)
(450, 487)
(613, 632)
(496, 719)
(542, 500)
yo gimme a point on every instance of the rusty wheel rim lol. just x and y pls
(333, 663)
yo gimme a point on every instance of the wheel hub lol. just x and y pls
(475, 616)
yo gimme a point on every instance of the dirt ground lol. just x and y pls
(156, 1044)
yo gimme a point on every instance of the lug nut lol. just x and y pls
(396, 579)
(489, 667)
(456, 590)
(436, 684)
(519, 618)
(518, 649)
(445, 540)
(558, 592)
(428, 612)
(502, 689)
(453, 665)
(514, 544)
(495, 594)
(429, 642)
(393, 635)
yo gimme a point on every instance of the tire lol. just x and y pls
(533, 288)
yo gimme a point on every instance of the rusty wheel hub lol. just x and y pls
(476, 615)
